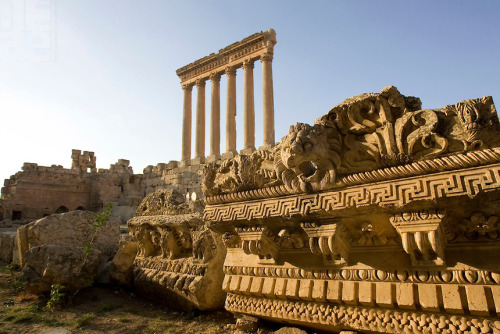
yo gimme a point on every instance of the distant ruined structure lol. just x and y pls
(259, 46)
(38, 191)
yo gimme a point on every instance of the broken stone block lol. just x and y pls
(54, 264)
(179, 261)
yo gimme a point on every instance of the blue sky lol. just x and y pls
(100, 75)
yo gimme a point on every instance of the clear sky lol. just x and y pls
(100, 75)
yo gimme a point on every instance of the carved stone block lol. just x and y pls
(380, 218)
(422, 236)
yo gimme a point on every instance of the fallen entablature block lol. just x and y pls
(179, 261)
(382, 217)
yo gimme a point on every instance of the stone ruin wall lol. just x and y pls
(37, 191)
(172, 175)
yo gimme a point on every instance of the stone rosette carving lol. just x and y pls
(381, 217)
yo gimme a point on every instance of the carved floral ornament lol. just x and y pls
(215, 77)
(384, 134)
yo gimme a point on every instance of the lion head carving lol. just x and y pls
(307, 158)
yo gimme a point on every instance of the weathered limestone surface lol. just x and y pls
(7, 242)
(64, 265)
(50, 250)
(38, 191)
(71, 229)
(179, 261)
(381, 217)
(121, 271)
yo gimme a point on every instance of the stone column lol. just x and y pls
(186, 124)
(215, 118)
(200, 122)
(267, 99)
(249, 111)
(231, 114)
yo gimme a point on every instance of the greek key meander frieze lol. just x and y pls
(360, 318)
(458, 161)
(465, 182)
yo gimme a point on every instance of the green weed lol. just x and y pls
(57, 297)
(84, 320)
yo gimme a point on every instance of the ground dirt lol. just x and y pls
(101, 310)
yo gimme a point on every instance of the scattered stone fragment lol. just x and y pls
(7, 243)
(53, 264)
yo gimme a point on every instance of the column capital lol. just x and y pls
(248, 64)
(230, 70)
(200, 83)
(187, 87)
(215, 77)
(266, 56)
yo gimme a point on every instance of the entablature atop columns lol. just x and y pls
(248, 49)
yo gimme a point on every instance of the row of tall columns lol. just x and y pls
(248, 113)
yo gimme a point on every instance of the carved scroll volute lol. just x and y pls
(328, 241)
(416, 135)
(259, 241)
(422, 236)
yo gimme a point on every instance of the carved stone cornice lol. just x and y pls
(422, 236)
(233, 55)
(464, 182)
(359, 318)
(458, 161)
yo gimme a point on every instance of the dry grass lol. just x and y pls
(100, 310)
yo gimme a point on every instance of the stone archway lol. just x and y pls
(62, 209)
(80, 208)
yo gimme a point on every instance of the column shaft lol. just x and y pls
(249, 111)
(231, 111)
(268, 99)
(200, 121)
(215, 116)
(186, 123)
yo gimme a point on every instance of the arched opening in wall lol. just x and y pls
(16, 215)
(62, 209)
(131, 179)
(1, 213)
(80, 208)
